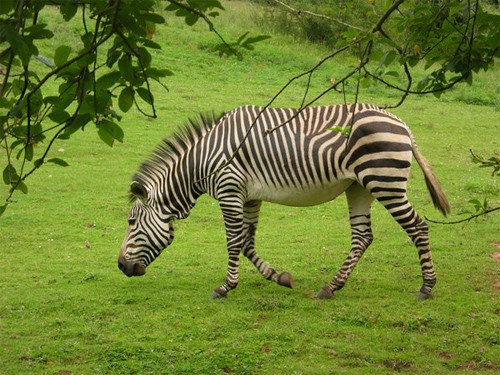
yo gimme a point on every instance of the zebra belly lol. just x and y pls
(299, 197)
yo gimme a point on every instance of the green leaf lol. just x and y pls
(125, 67)
(242, 37)
(15, 112)
(191, 19)
(392, 73)
(17, 43)
(3, 208)
(256, 39)
(79, 122)
(152, 17)
(150, 44)
(58, 161)
(86, 60)
(7, 6)
(9, 174)
(20, 185)
(145, 57)
(58, 116)
(388, 58)
(108, 80)
(14, 144)
(38, 31)
(113, 56)
(64, 100)
(157, 73)
(108, 131)
(87, 105)
(103, 100)
(28, 152)
(145, 95)
(344, 131)
(478, 206)
(469, 79)
(105, 136)
(68, 10)
(61, 55)
(350, 34)
(126, 99)
(38, 163)
(204, 5)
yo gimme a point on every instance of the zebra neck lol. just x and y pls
(179, 190)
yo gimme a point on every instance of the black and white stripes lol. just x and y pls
(253, 154)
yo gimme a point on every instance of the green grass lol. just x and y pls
(66, 308)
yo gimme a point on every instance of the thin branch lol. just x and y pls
(407, 91)
(207, 21)
(300, 11)
(486, 212)
(409, 79)
(386, 15)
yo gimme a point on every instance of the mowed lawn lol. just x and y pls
(65, 308)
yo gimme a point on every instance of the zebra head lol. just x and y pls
(149, 232)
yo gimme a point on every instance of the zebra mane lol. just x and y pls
(172, 147)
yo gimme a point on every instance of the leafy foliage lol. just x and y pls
(492, 162)
(451, 39)
(105, 74)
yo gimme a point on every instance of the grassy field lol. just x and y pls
(65, 308)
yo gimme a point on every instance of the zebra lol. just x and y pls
(287, 156)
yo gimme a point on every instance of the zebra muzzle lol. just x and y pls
(131, 269)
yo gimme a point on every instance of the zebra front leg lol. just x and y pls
(251, 212)
(359, 200)
(232, 277)
(232, 211)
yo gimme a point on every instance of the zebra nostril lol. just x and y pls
(121, 266)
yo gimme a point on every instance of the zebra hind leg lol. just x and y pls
(418, 231)
(251, 212)
(359, 200)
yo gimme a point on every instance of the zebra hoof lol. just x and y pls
(423, 295)
(324, 293)
(219, 293)
(285, 279)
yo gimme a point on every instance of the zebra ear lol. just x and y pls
(139, 191)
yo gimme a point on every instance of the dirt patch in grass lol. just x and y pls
(495, 244)
(398, 365)
(446, 355)
(475, 366)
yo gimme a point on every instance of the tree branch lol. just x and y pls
(299, 12)
(486, 212)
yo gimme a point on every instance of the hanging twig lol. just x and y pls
(300, 12)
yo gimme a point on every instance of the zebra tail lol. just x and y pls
(437, 195)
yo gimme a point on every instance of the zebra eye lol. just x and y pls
(131, 221)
